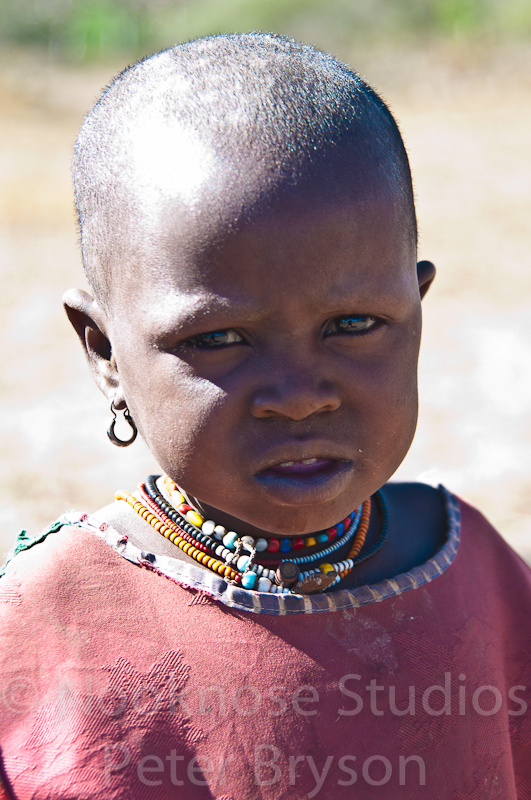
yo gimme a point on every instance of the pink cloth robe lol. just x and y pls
(124, 676)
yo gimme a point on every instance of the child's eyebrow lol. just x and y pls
(191, 311)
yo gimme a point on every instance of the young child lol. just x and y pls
(264, 620)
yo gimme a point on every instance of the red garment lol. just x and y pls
(118, 682)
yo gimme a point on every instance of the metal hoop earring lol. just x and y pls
(110, 431)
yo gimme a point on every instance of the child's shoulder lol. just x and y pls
(49, 569)
(420, 509)
(422, 517)
(418, 529)
(56, 544)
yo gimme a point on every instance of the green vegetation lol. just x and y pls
(86, 30)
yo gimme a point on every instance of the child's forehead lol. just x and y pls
(226, 240)
(179, 181)
(218, 204)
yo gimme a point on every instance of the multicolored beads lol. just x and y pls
(208, 543)
(232, 542)
(178, 537)
(272, 545)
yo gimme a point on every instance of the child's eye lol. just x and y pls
(213, 339)
(350, 324)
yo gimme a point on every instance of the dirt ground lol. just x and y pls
(466, 118)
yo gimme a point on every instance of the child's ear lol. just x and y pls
(425, 274)
(89, 322)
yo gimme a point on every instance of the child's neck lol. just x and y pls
(232, 523)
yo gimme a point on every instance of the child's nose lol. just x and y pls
(294, 392)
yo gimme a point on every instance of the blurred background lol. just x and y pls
(457, 75)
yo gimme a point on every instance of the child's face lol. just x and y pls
(272, 369)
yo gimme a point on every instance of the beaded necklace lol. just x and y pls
(221, 541)
(234, 557)
(272, 545)
(251, 575)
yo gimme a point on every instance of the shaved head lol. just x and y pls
(221, 126)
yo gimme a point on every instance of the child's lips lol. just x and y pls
(305, 481)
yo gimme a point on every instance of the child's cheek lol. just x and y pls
(172, 407)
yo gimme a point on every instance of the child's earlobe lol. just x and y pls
(88, 321)
(426, 274)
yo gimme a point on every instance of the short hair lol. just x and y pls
(257, 96)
